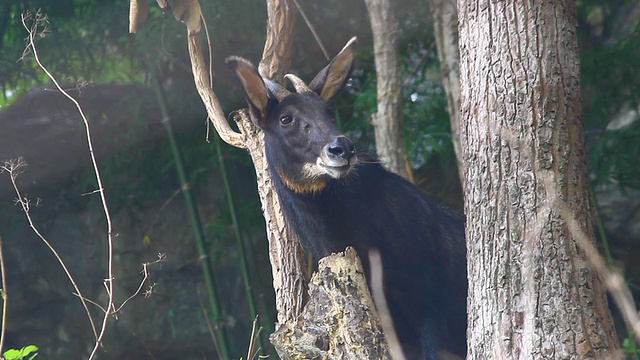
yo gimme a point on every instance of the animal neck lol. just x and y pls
(311, 186)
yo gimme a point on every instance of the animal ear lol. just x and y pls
(253, 86)
(332, 78)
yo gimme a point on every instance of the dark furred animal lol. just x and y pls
(334, 198)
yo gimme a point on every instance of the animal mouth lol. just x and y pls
(336, 168)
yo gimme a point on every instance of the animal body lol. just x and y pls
(334, 198)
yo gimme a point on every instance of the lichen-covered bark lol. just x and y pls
(387, 121)
(340, 321)
(532, 294)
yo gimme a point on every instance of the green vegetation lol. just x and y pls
(28, 352)
(610, 49)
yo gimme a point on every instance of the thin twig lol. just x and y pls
(313, 30)
(148, 292)
(4, 297)
(92, 303)
(33, 31)
(209, 48)
(161, 258)
(252, 352)
(14, 168)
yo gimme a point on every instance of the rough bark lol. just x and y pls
(276, 56)
(532, 294)
(445, 30)
(387, 121)
(340, 321)
(285, 252)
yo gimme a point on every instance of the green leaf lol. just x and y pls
(28, 350)
(12, 354)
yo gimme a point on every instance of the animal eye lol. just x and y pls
(286, 120)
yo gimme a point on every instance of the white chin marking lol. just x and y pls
(335, 169)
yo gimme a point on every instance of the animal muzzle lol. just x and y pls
(337, 158)
(341, 150)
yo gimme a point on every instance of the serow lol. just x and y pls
(334, 197)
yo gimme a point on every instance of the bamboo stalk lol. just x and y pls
(203, 258)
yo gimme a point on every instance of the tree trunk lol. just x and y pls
(285, 252)
(532, 294)
(445, 30)
(387, 121)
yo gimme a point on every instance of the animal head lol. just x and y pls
(303, 144)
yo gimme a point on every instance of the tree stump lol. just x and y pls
(339, 321)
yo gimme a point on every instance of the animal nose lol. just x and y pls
(341, 147)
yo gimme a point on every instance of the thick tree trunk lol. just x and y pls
(387, 121)
(445, 30)
(532, 294)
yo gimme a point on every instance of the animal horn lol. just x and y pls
(276, 89)
(298, 83)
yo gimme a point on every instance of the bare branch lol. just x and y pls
(145, 272)
(14, 167)
(252, 352)
(209, 98)
(286, 255)
(313, 30)
(32, 30)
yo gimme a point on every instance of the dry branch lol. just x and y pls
(209, 98)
